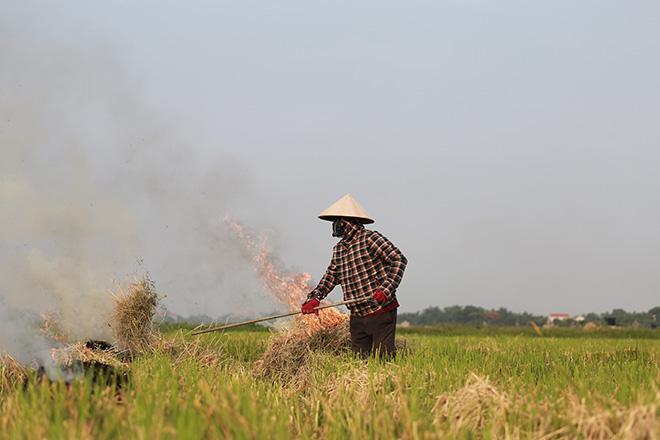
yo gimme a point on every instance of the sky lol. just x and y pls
(509, 149)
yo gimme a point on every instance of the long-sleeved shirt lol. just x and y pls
(362, 262)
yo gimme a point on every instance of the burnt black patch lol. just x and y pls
(94, 344)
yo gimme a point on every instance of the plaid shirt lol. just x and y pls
(362, 262)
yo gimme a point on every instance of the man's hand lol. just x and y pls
(308, 307)
(380, 295)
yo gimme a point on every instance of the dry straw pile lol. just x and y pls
(136, 304)
(480, 403)
(472, 406)
(11, 372)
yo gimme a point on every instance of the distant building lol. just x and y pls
(552, 317)
(559, 316)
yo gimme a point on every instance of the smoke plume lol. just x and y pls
(94, 183)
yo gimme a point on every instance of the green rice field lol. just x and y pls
(446, 383)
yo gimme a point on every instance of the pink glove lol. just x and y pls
(380, 295)
(308, 307)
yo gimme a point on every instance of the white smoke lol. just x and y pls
(71, 221)
(61, 235)
(20, 338)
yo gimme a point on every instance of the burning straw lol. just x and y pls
(91, 353)
(291, 350)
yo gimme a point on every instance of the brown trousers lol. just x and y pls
(374, 333)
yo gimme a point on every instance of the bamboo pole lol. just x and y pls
(268, 318)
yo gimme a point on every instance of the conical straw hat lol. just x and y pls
(346, 207)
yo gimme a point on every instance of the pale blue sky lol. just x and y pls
(510, 149)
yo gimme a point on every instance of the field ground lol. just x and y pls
(448, 382)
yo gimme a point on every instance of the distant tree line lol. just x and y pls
(469, 315)
(650, 318)
(472, 315)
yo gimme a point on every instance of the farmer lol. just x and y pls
(367, 265)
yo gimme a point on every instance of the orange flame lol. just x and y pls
(50, 327)
(290, 289)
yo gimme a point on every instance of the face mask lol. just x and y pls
(337, 228)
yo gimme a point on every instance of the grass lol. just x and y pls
(555, 332)
(462, 384)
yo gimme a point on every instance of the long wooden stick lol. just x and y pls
(350, 301)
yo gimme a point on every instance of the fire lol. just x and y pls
(50, 327)
(290, 289)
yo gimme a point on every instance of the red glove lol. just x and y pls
(380, 295)
(308, 307)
